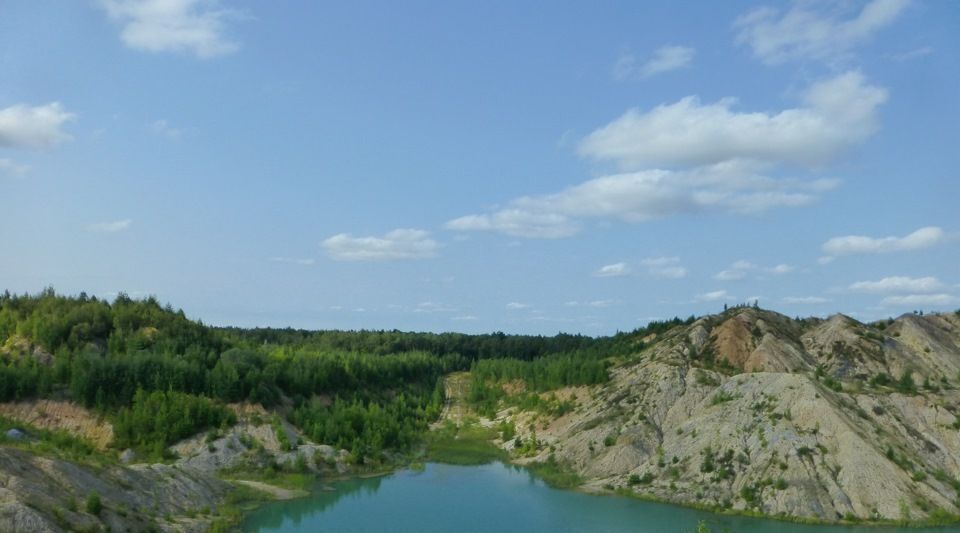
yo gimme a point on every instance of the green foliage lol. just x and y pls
(468, 444)
(93, 505)
(158, 419)
(722, 396)
(555, 474)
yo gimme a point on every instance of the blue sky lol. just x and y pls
(475, 166)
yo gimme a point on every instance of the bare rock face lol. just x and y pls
(752, 410)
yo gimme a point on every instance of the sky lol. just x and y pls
(528, 167)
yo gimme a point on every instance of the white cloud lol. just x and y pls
(667, 58)
(737, 271)
(463, 318)
(836, 113)
(164, 129)
(519, 223)
(781, 269)
(859, 244)
(517, 305)
(10, 167)
(395, 245)
(664, 267)
(804, 33)
(795, 300)
(670, 272)
(110, 227)
(825, 260)
(732, 187)
(898, 284)
(714, 296)
(293, 260)
(664, 59)
(433, 307)
(730, 275)
(188, 26)
(601, 303)
(921, 299)
(614, 270)
(23, 126)
(913, 54)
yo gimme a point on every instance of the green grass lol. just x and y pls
(555, 474)
(468, 444)
(53, 443)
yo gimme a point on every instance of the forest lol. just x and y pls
(160, 376)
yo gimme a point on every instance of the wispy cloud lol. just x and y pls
(860, 244)
(517, 305)
(731, 187)
(398, 244)
(614, 270)
(813, 31)
(196, 27)
(294, 260)
(664, 267)
(664, 59)
(737, 271)
(9, 167)
(916, 53)
(921, 299)
(804, 300)
(110, 227)
(714, 296)
(898, 284)
(24, 126)
(164, 129)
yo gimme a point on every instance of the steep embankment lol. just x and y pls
(754, 411)
(39, 492)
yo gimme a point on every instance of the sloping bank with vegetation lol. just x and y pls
(176, 403)
(748, 412)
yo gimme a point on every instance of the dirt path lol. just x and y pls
(278, 493)
(455, 388)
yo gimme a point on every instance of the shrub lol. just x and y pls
(94, 506)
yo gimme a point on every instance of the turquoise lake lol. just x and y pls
(496, 498)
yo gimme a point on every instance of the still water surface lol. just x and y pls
(496, 498)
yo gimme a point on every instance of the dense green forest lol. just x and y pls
(160, 376)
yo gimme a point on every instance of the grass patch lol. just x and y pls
(468, 444)
(55, 443)
(555, 474)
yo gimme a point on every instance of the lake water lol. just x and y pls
(496, 498)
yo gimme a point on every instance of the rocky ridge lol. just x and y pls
(753, 411)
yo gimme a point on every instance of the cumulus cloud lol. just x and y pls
(898, 284)
(614, 270)
(921, 299)
(859, 244)
(110, 227)
(664, 267)
(10, 167)
(395, 245)
(805, 33)
(836, 113)
(197, 27)
(664, 59)
(732, 187)
(714, 296)
(24, 126)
